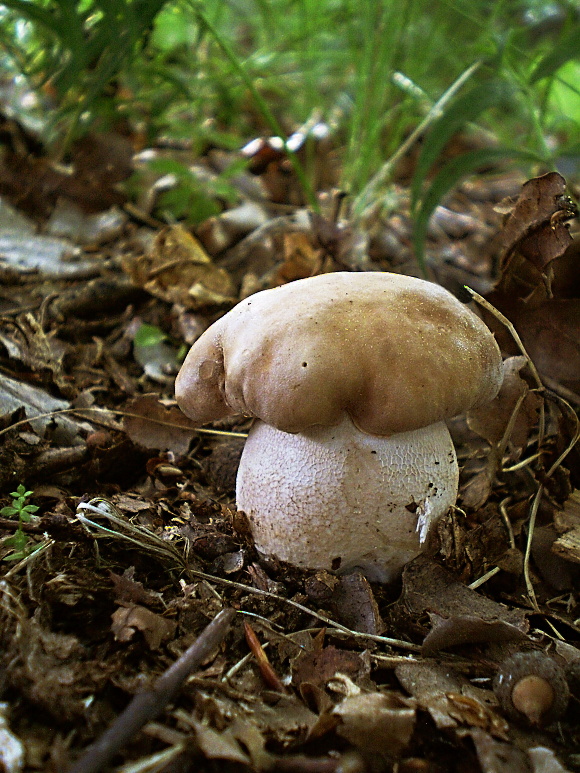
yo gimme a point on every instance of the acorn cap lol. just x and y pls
(531, 687)
(392, 352)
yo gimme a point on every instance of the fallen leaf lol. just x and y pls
(317, 667)
(151, 424)
(129, 618)
(492, 421)
(497, 756)
(458, 614)
(379, 724)
(178, 270)
(450, 698)
(569, 516)
(551, 334)
(537, 226)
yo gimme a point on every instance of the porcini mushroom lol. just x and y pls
(350, 377)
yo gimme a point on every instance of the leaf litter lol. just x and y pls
(139, 568)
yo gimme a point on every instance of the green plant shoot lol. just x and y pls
(19, 541)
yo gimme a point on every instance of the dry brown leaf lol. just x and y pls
(301, 257)
(497, 756)
(450, 698)
(378, 724)
(130, 618)
(129, 590)
(317, 667)
(459, 614)
(178, 270)
(551, 335)
(569, 517)
(537, 227)
(154, 425)
(491, 421)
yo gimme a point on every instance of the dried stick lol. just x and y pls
(147, 705)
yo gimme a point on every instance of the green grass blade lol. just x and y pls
(568, 48)
(261, 104)
(462, 111)
(449, 176)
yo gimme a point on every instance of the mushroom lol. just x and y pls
(350, 377)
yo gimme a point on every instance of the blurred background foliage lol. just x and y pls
(219, 72)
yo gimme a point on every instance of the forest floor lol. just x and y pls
(136, 547)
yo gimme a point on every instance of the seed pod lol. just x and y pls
(532, 688)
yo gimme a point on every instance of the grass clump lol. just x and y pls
(217, 73)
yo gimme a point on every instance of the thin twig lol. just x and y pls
(336, 627)
(147, 705)
(484, 578)
(531, 527)
(125, 414)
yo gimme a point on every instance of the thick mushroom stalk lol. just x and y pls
(349, 499)
(351, 376)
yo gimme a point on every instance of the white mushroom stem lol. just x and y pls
(338, 498)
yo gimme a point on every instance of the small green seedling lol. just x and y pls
(19, 541)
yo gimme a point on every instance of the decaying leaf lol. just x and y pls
(25, 340)
(551, 334)
(450, 698)
(497, 756)
(537, 226)
(151, 424)
(492, 421)
(38, 403)
(178, 270)
(301, 257)
(318, 666)
(129, 618)
(379, 724)
(458, 614)
(568, 521)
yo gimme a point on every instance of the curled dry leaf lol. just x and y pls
(492, 421)
(459, 615)
(450, 698)
(378, 724)
(537, 226)
(130, 618)
(178, 270)
(151, 424)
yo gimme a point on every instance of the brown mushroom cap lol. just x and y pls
(393, 352)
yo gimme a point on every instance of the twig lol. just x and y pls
(125, 414)
(337, 628)
(531, 527)
(149, 704)
(269, 675)
(484, 578)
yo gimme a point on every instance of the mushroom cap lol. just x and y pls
(394, 353)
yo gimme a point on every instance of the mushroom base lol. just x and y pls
(339, 499)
